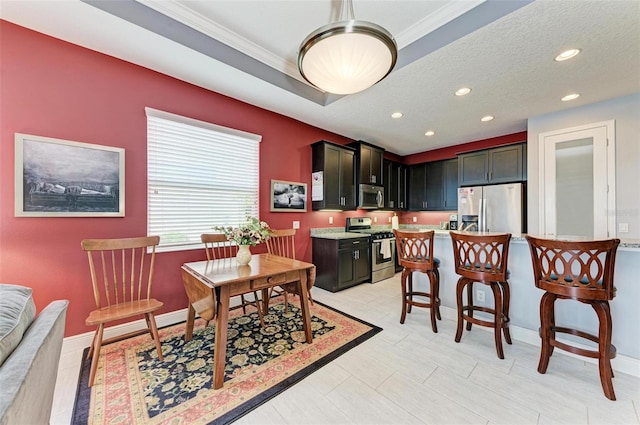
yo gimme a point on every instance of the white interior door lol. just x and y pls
(578, 182)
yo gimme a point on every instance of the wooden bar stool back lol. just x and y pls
(483, 258)
(415, 254)
(217, 246)
(581, 271)
(122, 277)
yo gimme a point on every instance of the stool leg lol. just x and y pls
(546, 320)
(497, 318)
(436, 273)
(604, 347)
(410, 291)
(470, 302)
(462, 282)
(433, 285)
(506, 298)
(404, 283)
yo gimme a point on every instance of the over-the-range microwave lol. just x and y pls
(370, 196)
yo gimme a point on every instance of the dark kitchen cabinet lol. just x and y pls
(369, 163)
(417, 187)
(450, 185)
(505, 164)
(433, 186)
(334, 166)
(341, 263)
(395, 185)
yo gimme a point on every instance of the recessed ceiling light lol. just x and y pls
(567, 54)
(487, 118)
(397, 115)
(570, 97)
(429, 133)
(462, 91)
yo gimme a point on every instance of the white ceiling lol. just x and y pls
(503, 50)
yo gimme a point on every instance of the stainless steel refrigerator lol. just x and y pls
(497, 208)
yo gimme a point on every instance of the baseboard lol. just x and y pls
(623, 364)
(77, 343)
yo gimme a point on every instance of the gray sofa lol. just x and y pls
(29, 354)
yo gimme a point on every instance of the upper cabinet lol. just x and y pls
(333, 167)
(498, 165)
(395, 185)
(369, 163)
(433, 186)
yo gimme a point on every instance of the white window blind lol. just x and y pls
(200, 175)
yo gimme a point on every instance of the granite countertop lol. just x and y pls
(337, 235)
(340, 233)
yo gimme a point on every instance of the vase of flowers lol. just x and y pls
(250, 233)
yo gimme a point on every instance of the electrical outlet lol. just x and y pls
(389, 221)
(415, 219)
(623, 227)
(480, 295)
(296, 224)
(375, 219)
(330, 220)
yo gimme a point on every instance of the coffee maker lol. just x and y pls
(453, 222)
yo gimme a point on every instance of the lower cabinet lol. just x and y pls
(341, 263)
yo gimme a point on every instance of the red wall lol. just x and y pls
(56, 89)
(452, 151)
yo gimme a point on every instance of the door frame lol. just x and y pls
(610, 172)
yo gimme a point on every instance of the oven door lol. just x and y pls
(383, 253)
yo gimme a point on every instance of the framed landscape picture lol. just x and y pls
(288, 196)
(62, 178)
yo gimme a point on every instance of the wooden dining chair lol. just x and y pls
(282, 243)
(580, 271)
(122, 277)
(217, 246)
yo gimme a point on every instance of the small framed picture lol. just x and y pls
(62, 178)
(288, 196)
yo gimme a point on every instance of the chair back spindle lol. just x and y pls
(282, 243)
(217, 246)
(121, 269)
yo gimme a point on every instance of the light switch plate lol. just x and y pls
(623, 227)
(296, 224)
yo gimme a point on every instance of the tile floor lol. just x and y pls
(407, 374)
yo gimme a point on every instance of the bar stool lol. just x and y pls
(581, 271)
(483, 258)
(415, 254)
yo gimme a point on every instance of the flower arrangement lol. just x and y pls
(251, 232)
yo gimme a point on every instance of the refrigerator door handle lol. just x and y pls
(482, 219)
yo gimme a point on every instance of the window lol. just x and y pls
(200, 175)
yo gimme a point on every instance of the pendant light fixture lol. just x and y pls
(347, 56)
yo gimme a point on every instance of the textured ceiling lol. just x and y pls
(503, 50)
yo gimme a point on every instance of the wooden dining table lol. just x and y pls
(210, 285)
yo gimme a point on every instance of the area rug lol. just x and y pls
(133, 387)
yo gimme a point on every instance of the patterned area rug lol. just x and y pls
(133, 387)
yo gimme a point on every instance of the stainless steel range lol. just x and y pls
(383, 247)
